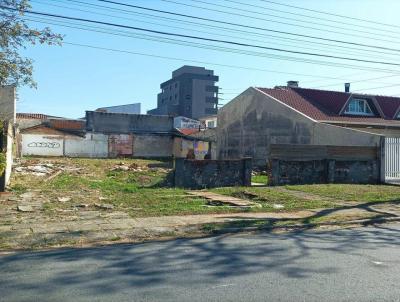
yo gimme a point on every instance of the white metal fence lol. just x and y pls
(392, 158)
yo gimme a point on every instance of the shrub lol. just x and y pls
(2, 162)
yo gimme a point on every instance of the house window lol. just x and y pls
(211, 124)
(358, 107)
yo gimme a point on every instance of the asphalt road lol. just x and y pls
(347, 265)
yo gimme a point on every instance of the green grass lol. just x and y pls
(262, 179)
(146, 192)
(351, 192)
(139, 193)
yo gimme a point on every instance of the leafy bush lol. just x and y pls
(2, 163)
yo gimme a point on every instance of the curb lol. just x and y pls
(364, 222)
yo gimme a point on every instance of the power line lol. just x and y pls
(248, 26)
(196, 30)
(373, 88)
(218, 48)
(157, 17)
(357, 81)
(331, 14)
(204, 38)
(195, 61)
(280, 22)
(310, 17)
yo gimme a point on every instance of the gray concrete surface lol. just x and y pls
(347, 265)
(253, 120)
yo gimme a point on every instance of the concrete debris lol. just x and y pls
(82, 205)
(132, 167)
(218, 199)
(13, 198)
(64, 199)
(103, 198)
(25, 208)
(37, 170)
(278, 206)
(104, 206)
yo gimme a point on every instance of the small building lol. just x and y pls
(209, 122)
(128, 108)
(191, 92)
(181, 122)
(260, 117)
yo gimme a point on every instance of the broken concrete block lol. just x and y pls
(25, 208)
(63, 199)
(82, 205)
(278, 206)
(104, 206)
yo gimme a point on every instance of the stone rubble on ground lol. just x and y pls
(64, 199)
(104, 206)
(23, 208)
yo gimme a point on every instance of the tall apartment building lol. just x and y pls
(191, 93)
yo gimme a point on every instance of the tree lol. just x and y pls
(16, 34)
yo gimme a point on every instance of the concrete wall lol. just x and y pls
(152, 145)
(42, 145)
(252, 121)
(293, 172)
(28, 123)
(93, 145)
(388, 132)
(109, 123)
(199, 174)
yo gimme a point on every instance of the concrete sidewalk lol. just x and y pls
(88, 226)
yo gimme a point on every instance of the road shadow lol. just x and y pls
(185, 262)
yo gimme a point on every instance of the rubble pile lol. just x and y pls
(43, 169)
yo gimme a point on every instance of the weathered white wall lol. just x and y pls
(92, 145)
(9, 153)
(43, 145)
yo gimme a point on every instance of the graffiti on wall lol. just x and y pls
(50, 145)
(200, 148)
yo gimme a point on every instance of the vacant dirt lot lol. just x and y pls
(63, 201)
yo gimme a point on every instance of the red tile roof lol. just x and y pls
(188, 131)
(324, 105)
(34, 116)
(64, 124)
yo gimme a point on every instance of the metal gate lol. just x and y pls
(392, 159)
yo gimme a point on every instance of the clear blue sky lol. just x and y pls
(72, 79)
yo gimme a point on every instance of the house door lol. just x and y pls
(392, 159)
